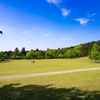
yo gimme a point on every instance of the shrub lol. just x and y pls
(40, 57)
(48, 57)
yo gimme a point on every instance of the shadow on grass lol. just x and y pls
(43, 92)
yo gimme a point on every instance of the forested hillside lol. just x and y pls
(81, 50)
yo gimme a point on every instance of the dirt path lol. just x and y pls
(49, 73)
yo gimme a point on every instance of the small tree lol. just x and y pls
(95, 53)
(95, 56)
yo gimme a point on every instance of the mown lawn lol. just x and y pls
(69, 86)
(19, 67)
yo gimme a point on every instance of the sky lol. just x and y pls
(49, 24)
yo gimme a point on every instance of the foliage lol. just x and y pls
(95, 55)
(31, 54)
(48, 57)
(60, 56)
(81, 50)
(52, 53)
(2, 56)
(95, 52)
(84, 51)
(16, 50)
(23, 52)
(94, 48)
(40, 57)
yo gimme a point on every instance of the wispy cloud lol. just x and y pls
(93, 19)
(54, 1)
(65, 12)
(92, 15)
(82, 21)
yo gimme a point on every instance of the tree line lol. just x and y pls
(91, 49)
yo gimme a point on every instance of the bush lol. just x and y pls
(18, 57)
(13, 57)
(28, 57)
(2, 59)
(60, 56)
(48, 57)
(40, 57)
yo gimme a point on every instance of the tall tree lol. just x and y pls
(37, 49)
(16, 51)
(23, 52)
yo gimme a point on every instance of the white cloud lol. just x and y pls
(54, 1)
(65, 12)
(92, 15)
(82, 20)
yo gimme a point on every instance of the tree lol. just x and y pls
(95, 47)
(31, 54)
(23, 52)
(37, 49)
(95, 56)
(2, 56)
(52, 52)
(84, 51)
(59, 52)
(16, 51)
(95, 53)
(78, 47)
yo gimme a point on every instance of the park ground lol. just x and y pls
(67, 86)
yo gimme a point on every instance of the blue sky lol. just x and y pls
(46, 24)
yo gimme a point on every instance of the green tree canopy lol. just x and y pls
(23, 52)
(31, 54)
(95, 52)
(16, 51)
(95, 48)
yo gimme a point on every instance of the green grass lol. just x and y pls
(69, 86)
(19, 67)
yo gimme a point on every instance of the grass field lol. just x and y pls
(69, 86)
(19, 67)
